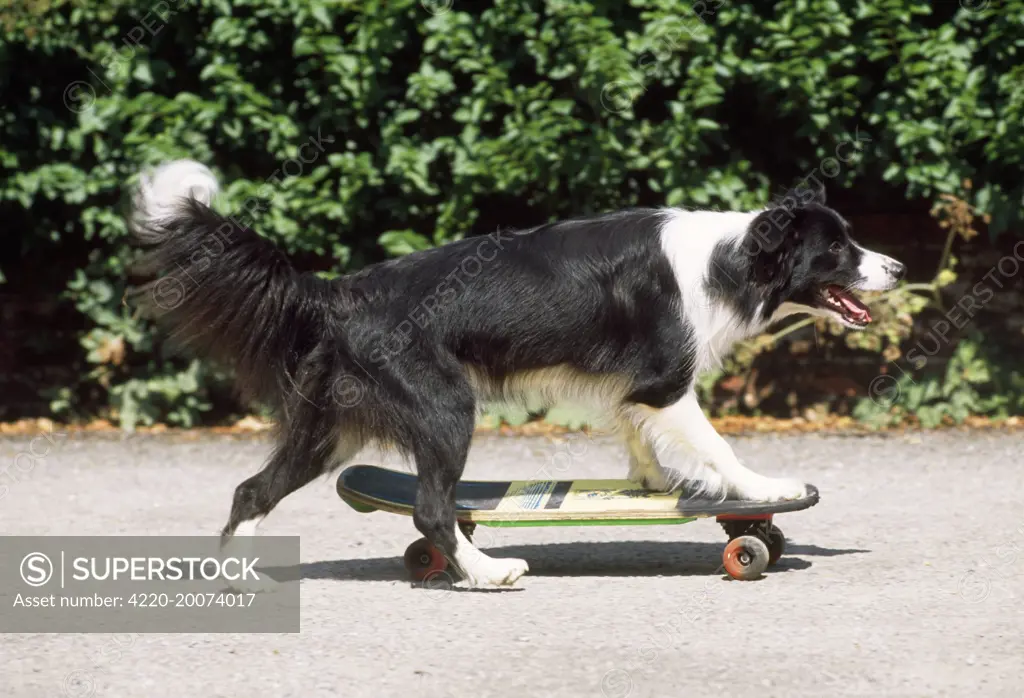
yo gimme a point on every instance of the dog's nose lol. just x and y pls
(897, 270)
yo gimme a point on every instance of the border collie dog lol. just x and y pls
(620, 312)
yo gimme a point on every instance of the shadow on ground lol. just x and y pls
(599, 559)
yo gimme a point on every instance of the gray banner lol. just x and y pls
(155, 584)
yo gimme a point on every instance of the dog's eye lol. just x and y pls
(835, 247)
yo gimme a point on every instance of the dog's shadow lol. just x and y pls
(595, 559)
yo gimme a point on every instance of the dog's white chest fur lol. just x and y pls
(688, 239)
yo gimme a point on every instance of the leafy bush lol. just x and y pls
(346, 131)
(972, 384)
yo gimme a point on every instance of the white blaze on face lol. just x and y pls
(878, 272)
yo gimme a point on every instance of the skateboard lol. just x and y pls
(754, 544)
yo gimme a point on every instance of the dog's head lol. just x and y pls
(804, 260)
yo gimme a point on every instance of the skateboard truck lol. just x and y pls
(755, 543)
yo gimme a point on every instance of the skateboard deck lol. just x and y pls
(554, 502)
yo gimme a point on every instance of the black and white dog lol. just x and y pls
(620, 312)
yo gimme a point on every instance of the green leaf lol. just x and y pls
(402, 242)
(321, 15)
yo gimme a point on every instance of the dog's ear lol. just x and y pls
(773, 235)
(771, 241)
(770, 230)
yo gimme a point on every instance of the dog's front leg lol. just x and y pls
(644, 467)
(711, 459)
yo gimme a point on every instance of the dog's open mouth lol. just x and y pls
(846, 305)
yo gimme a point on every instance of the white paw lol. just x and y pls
(263, 585)
(769, 489)
(493, 572)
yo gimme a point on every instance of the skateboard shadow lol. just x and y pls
(582, 559)
(794, 549)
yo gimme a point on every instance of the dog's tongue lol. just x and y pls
(853, 307)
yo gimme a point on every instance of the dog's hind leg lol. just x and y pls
(683, 424)
(440, 448)
(308, 447)
(439, 470)
(288, 469)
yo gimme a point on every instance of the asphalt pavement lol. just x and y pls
(906, 580)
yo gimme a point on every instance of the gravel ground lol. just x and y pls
(904, 581)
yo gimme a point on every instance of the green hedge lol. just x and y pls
(347, 130)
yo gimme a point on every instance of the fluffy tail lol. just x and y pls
(218, 288)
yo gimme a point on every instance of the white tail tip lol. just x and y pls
(162, 191)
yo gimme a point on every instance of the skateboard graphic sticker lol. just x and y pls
(572, 496)
(611, 497)
(527, 495)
